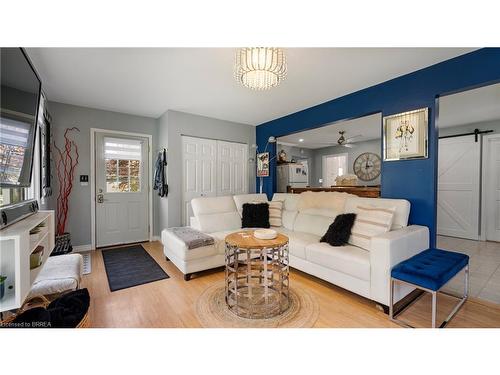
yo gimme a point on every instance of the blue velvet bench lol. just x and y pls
(429, 271)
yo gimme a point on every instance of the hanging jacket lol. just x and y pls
(159, 179)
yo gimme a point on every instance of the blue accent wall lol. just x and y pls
(415, 180)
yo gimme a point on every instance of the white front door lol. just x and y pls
(232, 164)
(122, 183)
(459, 168)
(492, 174)
(199, 172)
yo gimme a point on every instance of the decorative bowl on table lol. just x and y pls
(265, 234)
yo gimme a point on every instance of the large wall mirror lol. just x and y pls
(468, 209)
(341, 154)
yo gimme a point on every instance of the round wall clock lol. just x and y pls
(367, 166)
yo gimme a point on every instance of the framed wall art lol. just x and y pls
(263, 164)
(405, 135)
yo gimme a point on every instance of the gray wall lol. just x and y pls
(469, 128)
(360, 147)
(64, 116)
(166, 132)
(171, 126)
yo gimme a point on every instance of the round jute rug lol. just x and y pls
(212, 312)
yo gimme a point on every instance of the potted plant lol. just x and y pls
(2, 285)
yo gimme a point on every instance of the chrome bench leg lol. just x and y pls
(434, 309)
(391, 300)
(462, 300)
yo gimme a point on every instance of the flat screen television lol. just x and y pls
(19, 101)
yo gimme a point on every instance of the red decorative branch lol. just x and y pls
(66, 162)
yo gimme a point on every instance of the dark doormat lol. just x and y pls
(131, 266)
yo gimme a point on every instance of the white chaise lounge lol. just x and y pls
(362, 271)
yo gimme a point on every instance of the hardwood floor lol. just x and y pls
(170, 302)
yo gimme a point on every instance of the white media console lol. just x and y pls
(16, 247)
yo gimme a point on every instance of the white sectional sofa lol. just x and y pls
(362, 271)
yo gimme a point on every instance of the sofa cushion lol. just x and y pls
(290, 201)
(348, 259)
(313, 224)
(290, 211)
(216, 213)
(328, 212)
(220, 240)
(297, 241)
(241, 199)
(401, 206)
(180, 250)
(213, 205)
(323, 199)
(370, 222)
(339, 231)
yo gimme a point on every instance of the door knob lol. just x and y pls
(100, 198)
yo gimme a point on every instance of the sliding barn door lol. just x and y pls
(459, 187)
(492, 188)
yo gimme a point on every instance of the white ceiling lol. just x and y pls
(478, 105)
(149, 81)
(367, 128)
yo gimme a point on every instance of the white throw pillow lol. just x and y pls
(275, 213)
(370, 222)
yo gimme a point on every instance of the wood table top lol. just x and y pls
(244, 239)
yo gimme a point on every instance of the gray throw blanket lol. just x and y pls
(191, 237)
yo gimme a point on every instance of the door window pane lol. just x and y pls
(123, 165)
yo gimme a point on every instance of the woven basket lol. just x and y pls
(85, 322)
(44, 302)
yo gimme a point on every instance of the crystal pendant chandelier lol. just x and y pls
(260, 68)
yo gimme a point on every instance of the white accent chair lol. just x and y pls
(362, 271)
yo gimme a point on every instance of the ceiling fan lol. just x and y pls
(345, 142)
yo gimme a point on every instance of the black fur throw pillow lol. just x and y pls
(339, 231)
(255, 215)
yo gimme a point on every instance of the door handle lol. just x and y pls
(100, 198)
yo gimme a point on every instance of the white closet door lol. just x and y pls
(492, 172)
(224, 169)
(239, 157)
(458, 187)
(232, 172)
(199, 158)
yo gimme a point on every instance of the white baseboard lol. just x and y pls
(82, 248)
(155, 238)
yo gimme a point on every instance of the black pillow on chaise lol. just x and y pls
(339, 231)
(255, 215)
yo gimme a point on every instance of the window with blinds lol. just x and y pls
(123, 165)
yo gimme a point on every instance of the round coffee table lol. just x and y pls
(256, 279)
